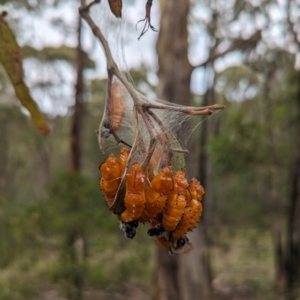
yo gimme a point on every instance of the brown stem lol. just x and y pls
(150, 152)
(87, 7)
(160, 124)
(111, 64)
(139, 103)
(146, 121)
(184, 151)
(84, 13)
(132, 92)
(205, 110)
(106, 122)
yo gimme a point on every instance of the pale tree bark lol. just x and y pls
(166, 275)
(184, 277)
(172, 47)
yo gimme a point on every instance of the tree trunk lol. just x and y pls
(204, 165)
(293, 255)
(183, 277)
(273, 196)
(75, 234)
(172, 48)
(78, 108)
(293, 241)
(196, 277)
(166, 279)
(279, 259)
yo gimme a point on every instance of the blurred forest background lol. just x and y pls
(58, 239)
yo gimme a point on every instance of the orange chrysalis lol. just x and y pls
(135, 194)
(156, 194)
(116, 105)
(123, 157)
(176, 202)
(193, 210)
(111, 178)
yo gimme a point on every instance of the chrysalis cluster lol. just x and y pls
(147, 184)
(169, 204)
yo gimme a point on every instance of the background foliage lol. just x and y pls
(252, 145)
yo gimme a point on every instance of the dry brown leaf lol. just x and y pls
(116, 7)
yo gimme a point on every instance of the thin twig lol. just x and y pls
(150, 152)
(111, 64)
(207, 110)
(147, 19)
(141, 106)
(184, 151)
(161, 125)
(146, 121)
(84, 13)
(106, 122)
(87, 7)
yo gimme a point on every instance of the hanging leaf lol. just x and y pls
(11, 59)
(116, 7)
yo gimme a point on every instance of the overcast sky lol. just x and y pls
(128, 51)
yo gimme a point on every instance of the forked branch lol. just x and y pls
(147, 19)
(143, 107)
